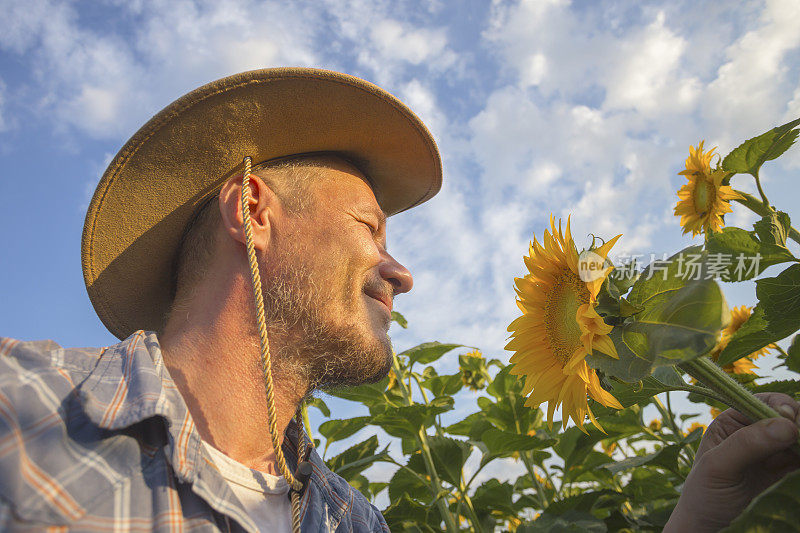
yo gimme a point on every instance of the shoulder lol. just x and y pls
(44, 436)
(36, 377)
(24, 357)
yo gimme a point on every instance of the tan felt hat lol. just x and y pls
(151, 189)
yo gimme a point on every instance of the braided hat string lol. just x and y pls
(266, 361)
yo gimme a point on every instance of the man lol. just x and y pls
(171, 428)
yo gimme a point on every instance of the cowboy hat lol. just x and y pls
(153, 186)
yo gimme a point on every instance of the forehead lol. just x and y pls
(344, 184)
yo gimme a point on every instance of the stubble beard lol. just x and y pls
(321, 346)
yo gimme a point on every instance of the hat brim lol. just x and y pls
(151, 189)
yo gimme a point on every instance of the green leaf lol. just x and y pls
(362, 485)
(504, 384)
(586, 502)
(789, 386)
(647, 485)
(494, 495)
(495, 443)
(445, 385)
(776, 316)
(630, 366)
(400, 319)
(319, 404)
(569, 522)
(334, 430)
(369, 394)
(666, 457)
(681, 314)
(505, 442)
(677, 323)
(449, 456)
(664, 275)
(405, 421)
(668, 376)
(775, 509)
(793, 353)
(741, 256)
(405, 514)
(748, 157)
(356, 459)
(681, 324)
(412, 480)
(616, 423)
(376, 488)
(590, 470)
(773, 228)
(428, 352)
(642, 391)
(573, 445)
(472, 426)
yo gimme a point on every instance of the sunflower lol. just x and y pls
(559, 327)
(608, 449)
(743, 365)
(694, 426)
(704, 200)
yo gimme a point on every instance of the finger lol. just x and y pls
(750, 445)
(731, 420)
(784, 404)
(782, 460)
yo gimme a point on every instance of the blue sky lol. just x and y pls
(541, 106)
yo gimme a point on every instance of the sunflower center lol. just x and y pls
(704, 196)
(567, 293)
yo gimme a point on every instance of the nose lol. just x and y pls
(396, 274)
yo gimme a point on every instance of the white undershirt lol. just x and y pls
(263, 495)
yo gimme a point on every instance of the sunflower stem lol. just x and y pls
(473, 516)
(666, 414)
(760, 189)
(422, 440)
(702, 391)
(735, 395)
(543, 501)
(531, 472)
(436, 422)
(762, 209)
(306, 421)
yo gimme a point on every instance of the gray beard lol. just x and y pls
(316, 349)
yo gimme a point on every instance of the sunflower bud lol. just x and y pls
(474, 373)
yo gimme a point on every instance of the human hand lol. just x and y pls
(735, 462)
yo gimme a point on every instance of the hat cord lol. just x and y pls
(297, 483)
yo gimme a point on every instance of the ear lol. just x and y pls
(264, 205)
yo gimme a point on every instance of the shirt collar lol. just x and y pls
(131, 384)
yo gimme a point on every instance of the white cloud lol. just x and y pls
(393, 40)
(107, 86)
(645, 72)
(752, 86)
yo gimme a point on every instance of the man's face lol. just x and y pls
(330, 283)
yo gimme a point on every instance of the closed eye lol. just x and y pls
(372, 228)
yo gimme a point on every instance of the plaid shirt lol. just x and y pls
(101, 439)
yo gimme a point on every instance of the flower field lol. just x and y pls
(591, 349)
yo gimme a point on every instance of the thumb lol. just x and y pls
(750, 445)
